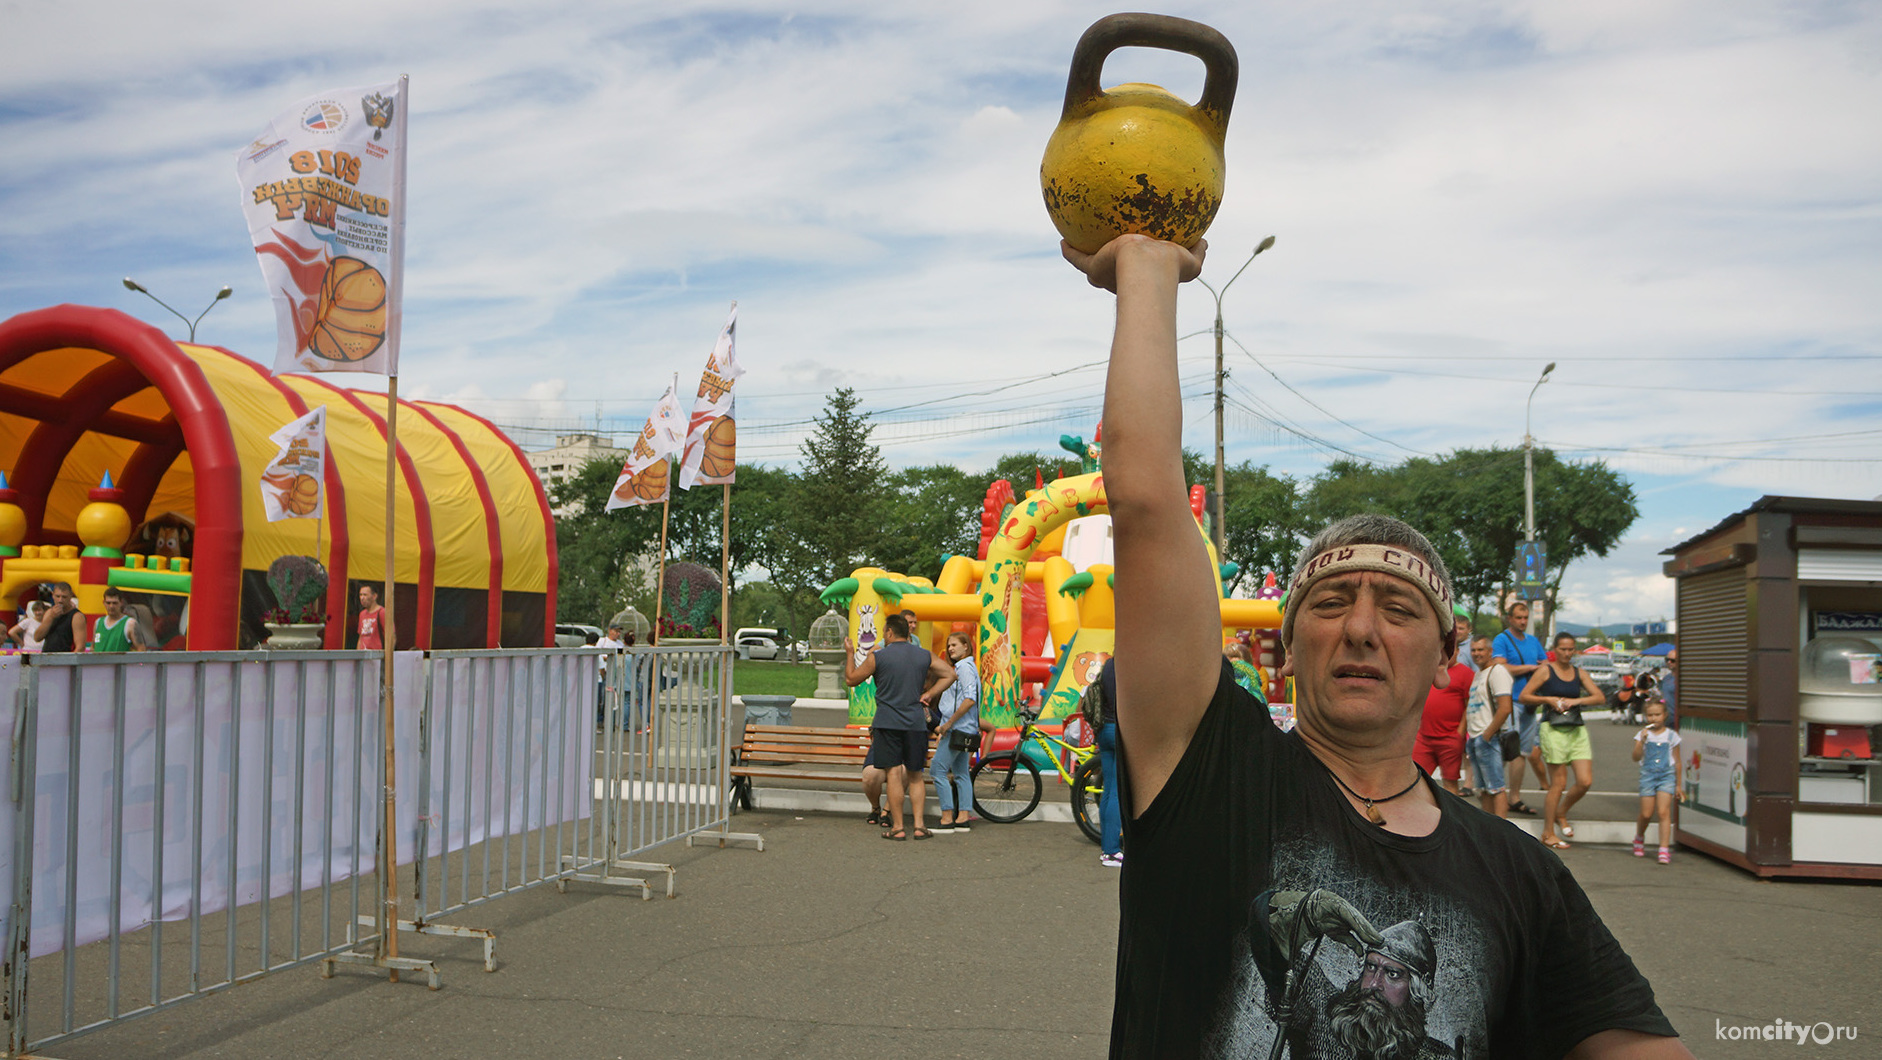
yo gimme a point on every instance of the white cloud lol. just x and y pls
(1676, 201)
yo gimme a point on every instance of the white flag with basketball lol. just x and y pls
(323, 189)
(294, 482)
(712, 433)
(644, 478)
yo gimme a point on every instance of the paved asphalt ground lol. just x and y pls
(997, 943)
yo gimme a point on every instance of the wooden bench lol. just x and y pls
(784, 752)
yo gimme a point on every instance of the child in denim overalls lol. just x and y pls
(1660, 769)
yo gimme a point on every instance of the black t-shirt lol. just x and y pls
(901, 674)
(56, 634)
(1484, 929)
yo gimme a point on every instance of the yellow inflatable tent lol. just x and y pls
(183, 431)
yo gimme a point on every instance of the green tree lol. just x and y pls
(1265, 523)
(1470, 504)
(928, 512)
(1024, 470)
(835, 513)
(759, 498)
(594, 547)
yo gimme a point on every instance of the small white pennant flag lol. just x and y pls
(293, 485)
(712, 434)
(644, 478)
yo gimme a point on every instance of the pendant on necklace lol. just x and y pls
(1373, 814)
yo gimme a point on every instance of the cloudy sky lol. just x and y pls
(1676, 202)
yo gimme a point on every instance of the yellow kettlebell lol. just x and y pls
(1137, 158)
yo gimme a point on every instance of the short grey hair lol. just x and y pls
(1372, 529)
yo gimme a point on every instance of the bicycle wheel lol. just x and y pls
(1088, 798)
(1006, 787)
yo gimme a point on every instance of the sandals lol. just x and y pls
(1666, 856)
(922, 833)
(1567, 830)
(1522, 807)
(1640, 846)
(898, 835)
(876, 817)
(1554, 843)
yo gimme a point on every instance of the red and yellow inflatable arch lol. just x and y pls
(184, 428)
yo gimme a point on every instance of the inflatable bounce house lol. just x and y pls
(134, 461)
(1038, 597)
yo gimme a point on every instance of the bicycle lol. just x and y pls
(1007, 785)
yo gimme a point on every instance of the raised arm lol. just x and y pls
(940, 676)
(1168, 622)
(854, 674)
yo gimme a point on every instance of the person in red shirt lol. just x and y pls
(372, 619)
(1439, 749)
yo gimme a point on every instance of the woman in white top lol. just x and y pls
(22, 634)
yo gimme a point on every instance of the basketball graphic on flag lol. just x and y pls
(648, 486)
(302, 496)
(297, 494)
(350, 322)
(721, 448)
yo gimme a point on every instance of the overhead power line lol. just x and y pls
(1329, 414)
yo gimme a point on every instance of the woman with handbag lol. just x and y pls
(959, 735)
(1564, 689)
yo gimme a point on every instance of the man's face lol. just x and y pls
(1672, 662)
(1461, 629)
(1519, 618)
(614, 632)
(114, 606)
(1389, 978)
(1366, 650)
(1481, 654)
(367, 598)
(61, 597)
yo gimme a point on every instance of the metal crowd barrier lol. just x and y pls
(180, 823)
(666, 755)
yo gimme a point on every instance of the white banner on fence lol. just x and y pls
(520, 738)
(254, 745)
(10, 705)
(513, 740)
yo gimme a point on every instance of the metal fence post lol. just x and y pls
(13, 964)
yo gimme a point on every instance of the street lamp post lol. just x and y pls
(133, 285)
(1220, 481)
(1529, 459)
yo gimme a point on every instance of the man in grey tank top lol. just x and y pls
(908, 679)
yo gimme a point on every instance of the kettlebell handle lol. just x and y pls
(1221, 68)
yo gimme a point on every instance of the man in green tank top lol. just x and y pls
(116, 631)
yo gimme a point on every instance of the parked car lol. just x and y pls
(763, 642)
(574, 634)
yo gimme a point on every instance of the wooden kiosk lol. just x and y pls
(1753, 593)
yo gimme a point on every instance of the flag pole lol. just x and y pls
(725, 565)
(395, 305)
(389, 848)
(660, 578)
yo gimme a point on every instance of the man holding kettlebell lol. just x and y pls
(1230, 821)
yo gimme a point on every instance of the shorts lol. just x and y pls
(1562, 744)
(899, 747)
(1440, 758)
(1528, 728)
(1656, 781)
(1487, 756)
